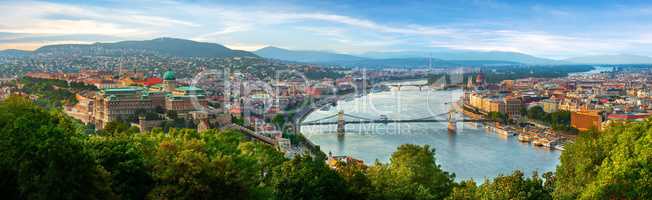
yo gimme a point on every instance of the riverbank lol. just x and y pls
(538, 136)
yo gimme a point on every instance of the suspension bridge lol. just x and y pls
(340, 120)
(398, 86)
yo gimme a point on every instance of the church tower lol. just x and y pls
(469, 83)
(169, 81)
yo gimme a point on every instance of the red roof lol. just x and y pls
(152, 81)
(628, 116)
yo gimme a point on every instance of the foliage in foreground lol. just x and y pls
(43, 155)
(615, 164)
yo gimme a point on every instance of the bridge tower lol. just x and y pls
(340, 123)
(452, 125)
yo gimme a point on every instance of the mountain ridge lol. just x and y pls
(469, 55)
(611, 59)
(163, 46)
(14, 53)
(440, 56)
(445, 54)
(304, 55)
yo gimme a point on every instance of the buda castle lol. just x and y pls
(123, 103)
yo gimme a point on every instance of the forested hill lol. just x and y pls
(44, 155)
(160, 46)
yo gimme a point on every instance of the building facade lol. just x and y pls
(127, 103)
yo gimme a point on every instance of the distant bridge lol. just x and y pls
(398, 86)
(421, 86)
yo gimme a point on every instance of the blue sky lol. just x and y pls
(552, 29)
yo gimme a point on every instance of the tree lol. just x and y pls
(237, 120)
(125, 161)
(465, 190)
(411, 174)
(191, 165)
(536, 112)
(308, 178)
(116, 127)
(41, 157)
(359, 185)
(610, 165)
(279, 121)
(514, 186)
(498, 116)
(171, 114)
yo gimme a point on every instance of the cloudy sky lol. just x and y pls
(555, 29)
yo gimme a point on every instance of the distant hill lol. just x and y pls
(162, 46)
(420, 62)
(305, 56)
(484, 62)
(396, 63)
(14, 53)
(374, 59)
(611, 59)
(468, 55)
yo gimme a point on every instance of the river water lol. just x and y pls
(472, 152)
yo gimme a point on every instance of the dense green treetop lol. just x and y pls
(46, 155)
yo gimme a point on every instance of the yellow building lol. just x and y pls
(586, 120)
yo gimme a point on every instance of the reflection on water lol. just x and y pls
(472, 152)
(451, 139)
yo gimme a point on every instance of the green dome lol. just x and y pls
(169, 75)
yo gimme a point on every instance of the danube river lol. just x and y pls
(472, 152)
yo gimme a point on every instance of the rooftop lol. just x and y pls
(126, 89)
(189, 88)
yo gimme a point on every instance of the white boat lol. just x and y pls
(537, 142)
(383, 118)
(524, 138)
(376, 90)
(542, 142)
(560, 147)
(502, 131)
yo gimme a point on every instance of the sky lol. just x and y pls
(550, 29)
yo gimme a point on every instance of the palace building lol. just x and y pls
(125, 103)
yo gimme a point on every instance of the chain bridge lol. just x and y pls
(341, 120)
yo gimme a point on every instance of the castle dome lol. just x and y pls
(169, 76)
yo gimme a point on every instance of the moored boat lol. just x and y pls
(504, 131)
(540, 142)
(524, 138)
(547, 143)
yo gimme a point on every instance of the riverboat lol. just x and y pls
(524, 138)
(325, 108)
(383, 118)
(504, 131)
(539, 142)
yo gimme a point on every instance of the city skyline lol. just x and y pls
(552, 30)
